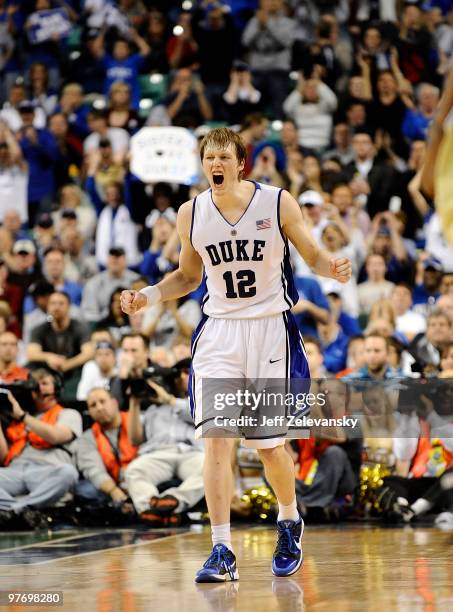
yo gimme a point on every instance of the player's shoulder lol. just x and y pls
(185, 217)
(185, 209)
(268, 188)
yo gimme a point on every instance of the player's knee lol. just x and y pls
(218, 448)
(268, 455)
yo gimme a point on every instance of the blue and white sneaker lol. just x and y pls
(288, 554)
(220, 566)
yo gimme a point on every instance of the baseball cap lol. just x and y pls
(241, 66)
(24, 246)
(40, 288)
(105, 142)
(69, 213)
(45, 220)
(311, 198)
(26, 106)
(103, 344)
(117, 251)
(92, 33)
(433, 263)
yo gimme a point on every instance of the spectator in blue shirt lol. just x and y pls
(349, 324)
(123, 65)
(154, 265)
(312, 307)
(386, 240)
(416, 121)
(334, 343)
(40, 151)
(427, 292)
(71, 104)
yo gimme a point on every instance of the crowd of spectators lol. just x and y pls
(333, 99)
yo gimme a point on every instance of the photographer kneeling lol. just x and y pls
(167, 451)
(103, 453)
(423, 449)
(36, 452)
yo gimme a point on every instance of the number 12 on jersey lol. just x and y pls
(245, 281)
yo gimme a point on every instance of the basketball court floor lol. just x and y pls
(346, 568)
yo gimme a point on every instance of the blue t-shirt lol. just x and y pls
(420, 295)
(309, 289)
(415, 125)
(74, 291)
(126, 70)
(41, 159)
(349, 325)
(335, 353)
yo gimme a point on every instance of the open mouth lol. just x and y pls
(218, 179)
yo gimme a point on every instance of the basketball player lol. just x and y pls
(436, 175)
(238, 230)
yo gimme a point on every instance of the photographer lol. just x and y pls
(426, 347)
(133, 361)
(36, 453)
(167, 451)
(329, 461)
(103, 452)
(423, 448)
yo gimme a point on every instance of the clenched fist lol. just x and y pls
(341, 269)
(132, 301)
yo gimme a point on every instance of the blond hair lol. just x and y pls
(221, 138)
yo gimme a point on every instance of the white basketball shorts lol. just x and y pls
(266, 348)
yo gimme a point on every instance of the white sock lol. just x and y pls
(420, 506)
(221, 534)
(288, 513)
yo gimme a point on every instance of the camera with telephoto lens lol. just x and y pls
(22, 390)
(439, 393)
(138, 386)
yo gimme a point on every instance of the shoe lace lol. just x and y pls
(284, 542)
(218, 558)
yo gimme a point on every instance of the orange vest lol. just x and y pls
(344, 372)
(426, 449)
(309, 452)
(126, 449)
(19, 436)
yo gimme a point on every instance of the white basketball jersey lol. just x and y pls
(247, 265)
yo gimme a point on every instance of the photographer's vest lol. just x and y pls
(310, 450)
(113, 460)
(19, 437)
(431, 457)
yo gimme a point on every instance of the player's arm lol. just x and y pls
(320, 261)
(178, 283)
(436, 134)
